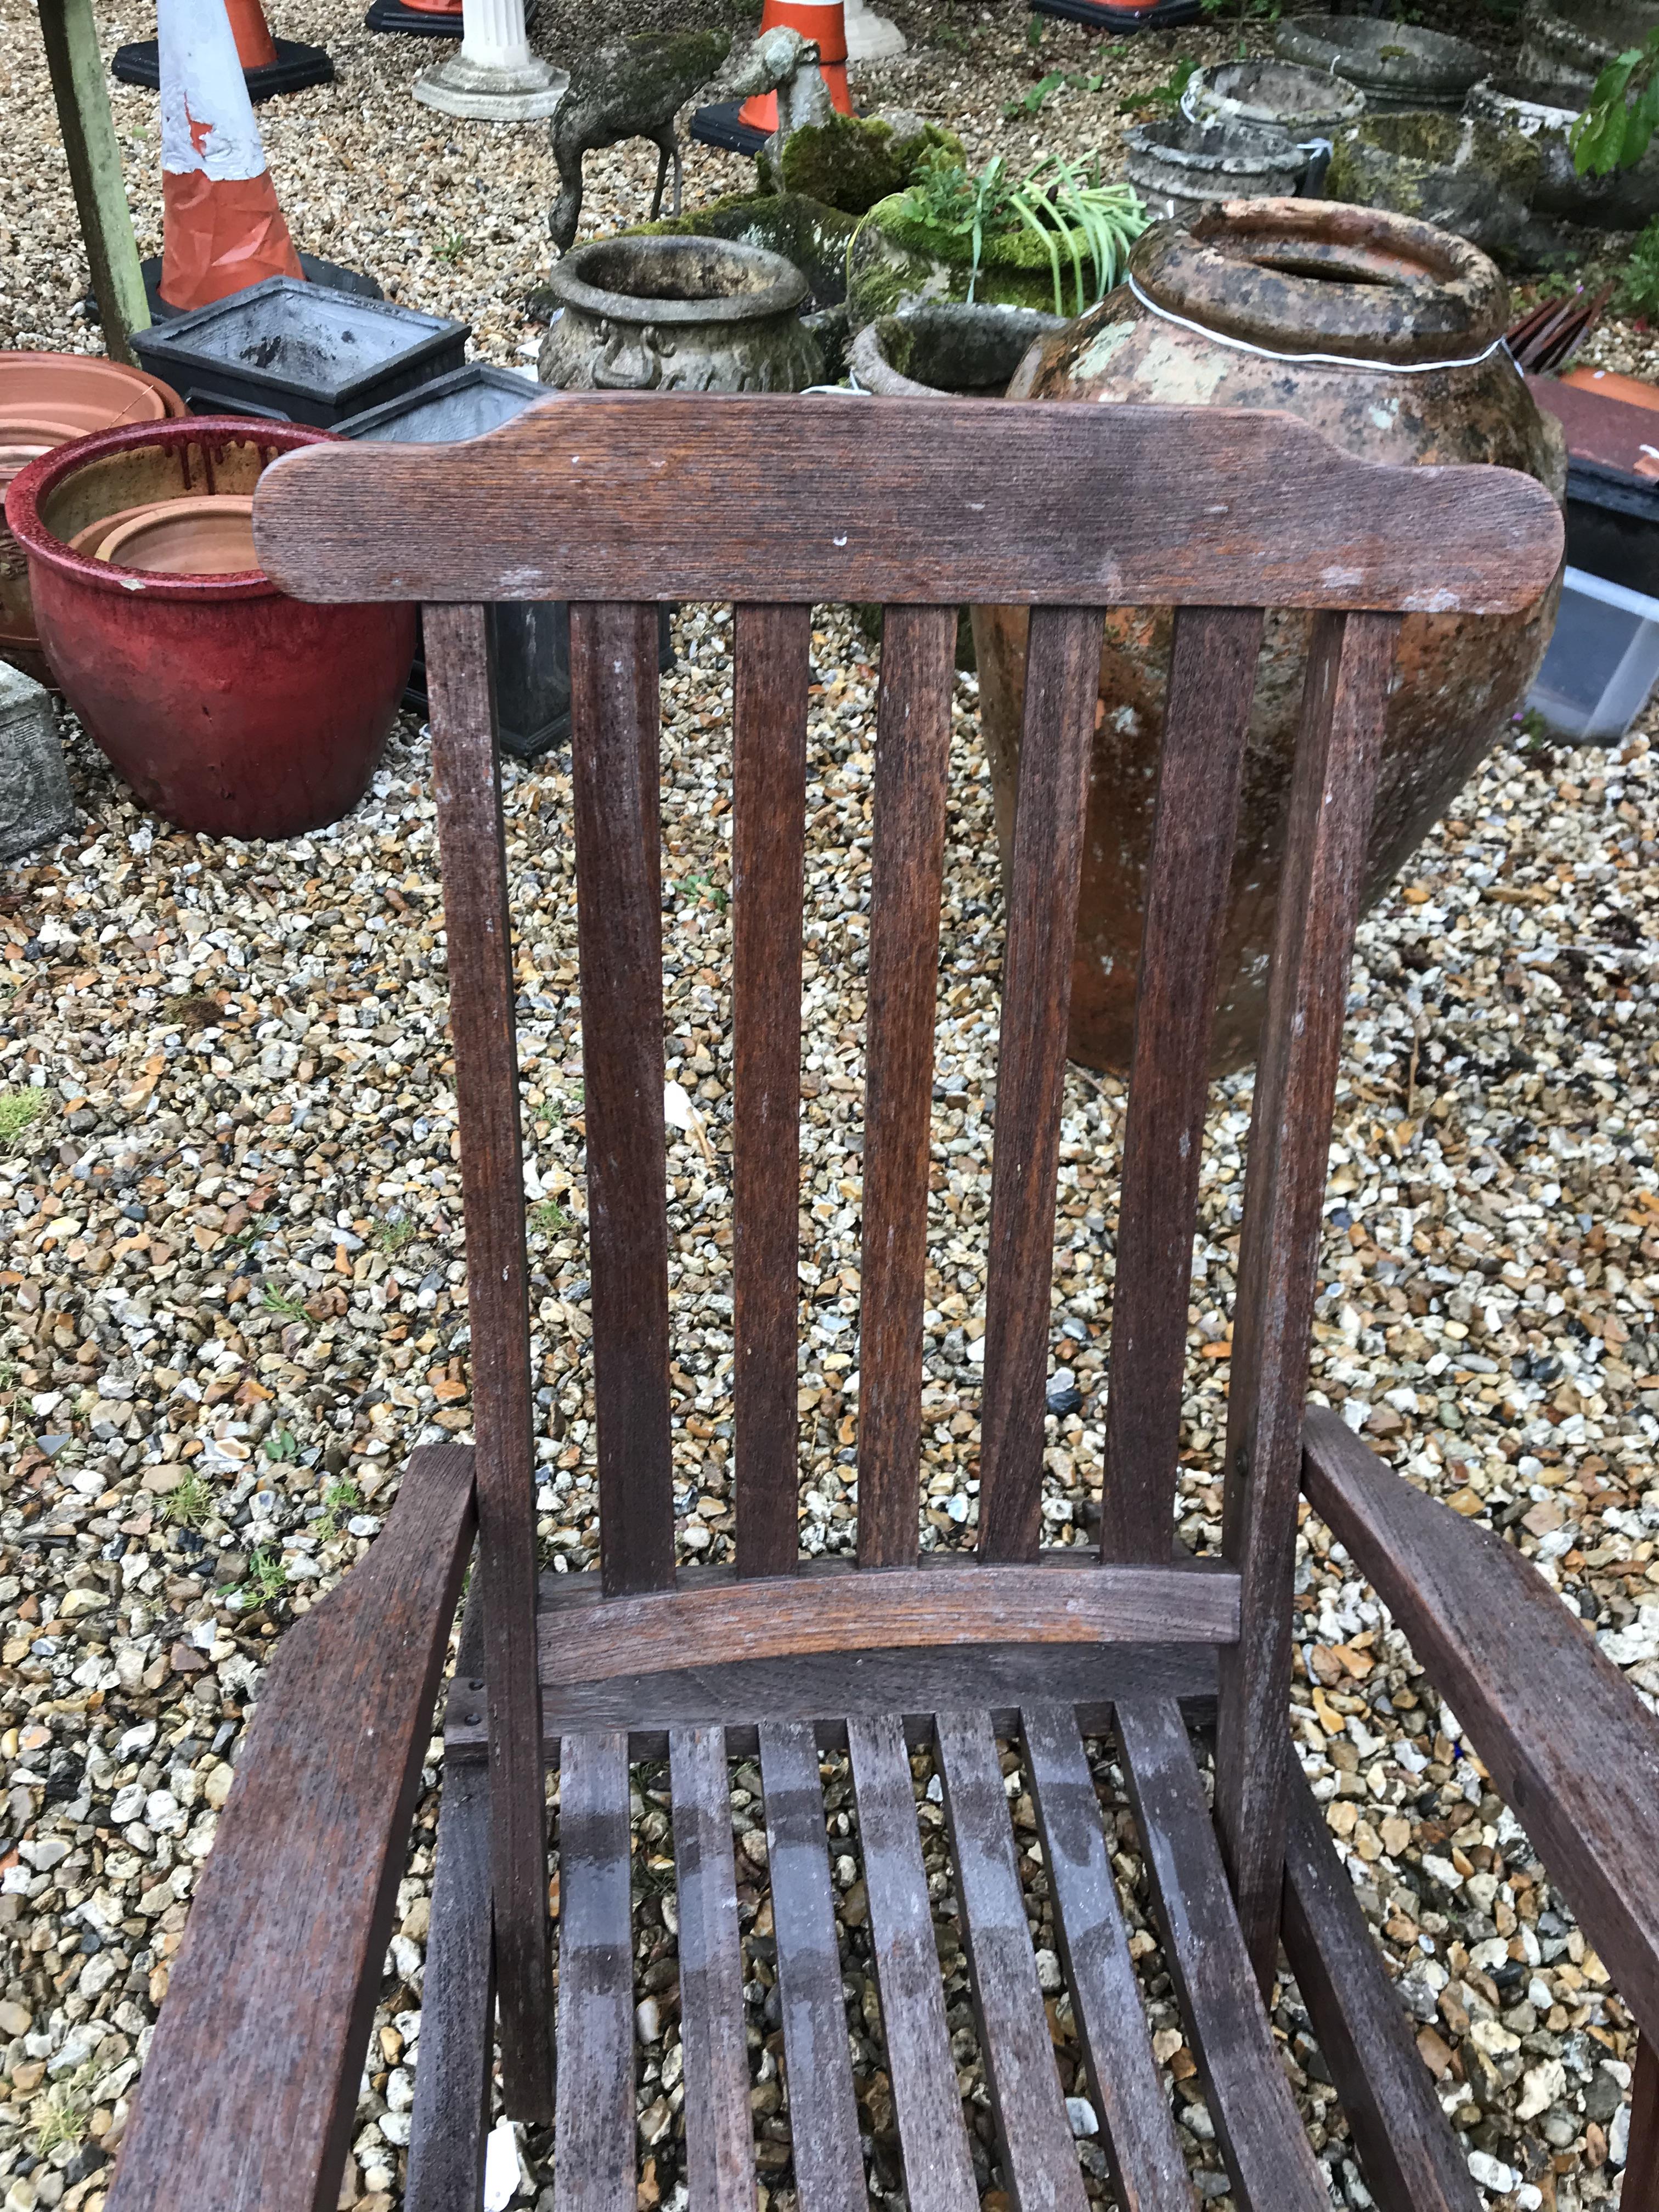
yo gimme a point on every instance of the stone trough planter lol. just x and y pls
(947, 351)
(1180, 166)
(1624, 201)
(1395, 66)
(1474, 178)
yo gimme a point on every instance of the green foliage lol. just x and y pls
(1615, 129)
(267, 1581)
(548, 1216)
(340, 1501)
(278, 1302)
(851, 161)
(1162, 98)
(395, 1231)
(1031, 102)
(1085, 226)
(60, 2114)
(281, 1444)
(1638, 287)
(190, 1505)
(19, 1109)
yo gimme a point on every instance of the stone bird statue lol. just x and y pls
(628, 88)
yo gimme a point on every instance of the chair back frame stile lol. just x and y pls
(618, 502)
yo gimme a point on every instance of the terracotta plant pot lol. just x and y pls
(1295, 277)
(208, 536)
(227, 706)
(46, 398)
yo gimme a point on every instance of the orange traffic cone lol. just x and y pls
(255, 47)
(823, 22)
(222, 228)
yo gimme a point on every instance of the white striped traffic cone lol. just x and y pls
(222, 228)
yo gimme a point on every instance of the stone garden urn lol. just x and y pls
(1383, 293)
(678, 314)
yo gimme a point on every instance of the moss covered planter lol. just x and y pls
(893, 262)
(944, 350)
(1475, 179)
(805, 231)
(1624, 201)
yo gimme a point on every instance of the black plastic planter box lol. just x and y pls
(1155, 15)
(531, 638)
(720, 124)
(1613, 514)
(316, 270)
(295, 352)
(296, 66)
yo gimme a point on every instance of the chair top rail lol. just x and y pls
(779, 499)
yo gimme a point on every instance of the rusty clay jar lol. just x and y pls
(1290, 276)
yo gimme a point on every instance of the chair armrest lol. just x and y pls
(248, 2095)
(1569, 1744)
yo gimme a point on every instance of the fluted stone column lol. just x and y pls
(494, 77)
(870, 37)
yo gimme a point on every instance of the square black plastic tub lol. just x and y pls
(295, 352)
(296, 66)
(1155, 15)
(531, 638)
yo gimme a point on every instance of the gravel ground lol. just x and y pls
(234, 1281)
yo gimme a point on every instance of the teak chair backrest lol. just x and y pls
(618, 502)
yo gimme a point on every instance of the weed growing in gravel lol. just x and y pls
(340, 1501)
(281, 1444)
(267, 1581)
(397, 1230)
(18, 1110)
(455, 247)
(189, 1505)
(548, 1216)
(278, 1302)
(63, 2112)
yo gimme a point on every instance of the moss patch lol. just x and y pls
(852, 163)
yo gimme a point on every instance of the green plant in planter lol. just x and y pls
(1059, 233)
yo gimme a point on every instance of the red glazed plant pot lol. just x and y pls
(228, 707)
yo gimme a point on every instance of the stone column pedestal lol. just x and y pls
(870, 37)
(495, 78)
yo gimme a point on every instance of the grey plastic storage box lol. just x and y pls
(532, 637)
(1602, 660)
(294, 352)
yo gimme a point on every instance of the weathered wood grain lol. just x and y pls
(1345, 693)
(615, 781)
(1641, 2189)
(913, 752)
(1136, 2123)
(1411, 2160)
(823, 2120)
(460, 693)
(249, 2090)
(939, 2174)
(1569, 1744)
(1194, 830)
(449, 2119)
(594, 2161)
(1256, 2122)
(771, 652)
(1036, 2146)
(1062, 677)
(917, 502)
(720, 2139)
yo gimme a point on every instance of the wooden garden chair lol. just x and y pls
(616, 503)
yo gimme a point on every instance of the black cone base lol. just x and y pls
(718, 124)
(420, 22)
(294, 67)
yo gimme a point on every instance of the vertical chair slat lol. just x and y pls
(824, 2121)
(1212, 678)
(719, 2132)
(1106, 2003)
(616, 775)
(913, 752)
(1062, 679)
(1036, 2145)
(594, 2170)
(939, 2173)
(450, 2121)
(461, 696)
(1272, 2166)
(1349, 661)
(773, 648)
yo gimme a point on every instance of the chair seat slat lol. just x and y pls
(772, 648)
(1147, 2164)
(616, 778)
(939, 2173)
(594, 2170)
(1272, 2164)
(1212, 678)
(1035, 2144)
(1063, 676)
(719, 2135)
(824, 2122)
(913, 751)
